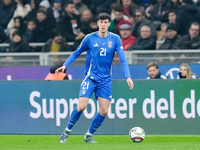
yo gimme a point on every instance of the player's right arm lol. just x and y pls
(81, 48)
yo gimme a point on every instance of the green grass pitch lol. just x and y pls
(75, 142)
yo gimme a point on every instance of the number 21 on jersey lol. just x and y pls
(103, 52)
(85, 85)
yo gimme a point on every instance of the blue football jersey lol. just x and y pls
(100, 53)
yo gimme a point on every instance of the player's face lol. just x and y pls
(153, 72)
(183, 70)
(103, 25)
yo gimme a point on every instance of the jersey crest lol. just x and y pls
(109, 44)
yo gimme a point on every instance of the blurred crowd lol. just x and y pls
(141, 24)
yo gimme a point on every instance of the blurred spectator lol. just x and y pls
(6, 12)
(145, 42)
(192, 40)
(22, 10)
(93, 25)
(55, 12)
(125, 34)
(150, 8)
(141, 20)
(185, 72)
(98, 6)
(10, 35)
(160, 11)
(86, 18)
(44, 5)
(118, 20)
(87, 2)
(172, 16)
(198, 5)
(173, 4)
(129, 7)
(52, 76)
(161, 35)
(19, 24)
(34, 8)
(186, 14)
(44, 26)
(153, 71)
(30, 31)
(142, 3)
(56, 44)
(173, 40)
(18, 44)
(79, 7)
(69, 25)
(114, 6)
(3, 36)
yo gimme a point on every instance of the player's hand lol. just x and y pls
(61, 69)
(130, 83)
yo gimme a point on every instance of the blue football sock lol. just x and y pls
(96, 123)
(74, 118)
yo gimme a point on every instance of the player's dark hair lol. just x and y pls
(152, 64)
(103, 16)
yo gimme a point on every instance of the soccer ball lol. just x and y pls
(137, 134)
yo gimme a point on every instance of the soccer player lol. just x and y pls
(100, 46)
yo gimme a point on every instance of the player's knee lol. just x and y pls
(81, 108)
(103, 112)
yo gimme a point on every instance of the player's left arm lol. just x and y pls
(125, 67)
(81, 48)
